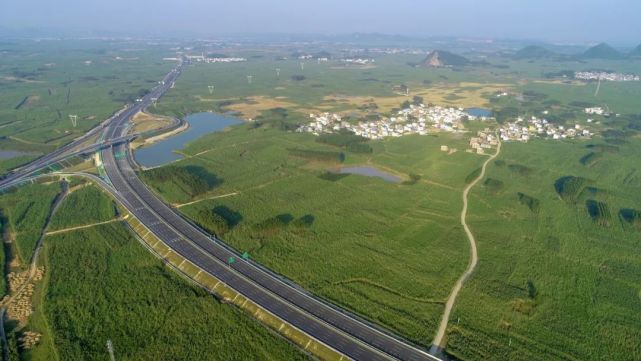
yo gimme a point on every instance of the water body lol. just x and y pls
(200, 124)
(370, 172)
(8, 154)
(479, 112)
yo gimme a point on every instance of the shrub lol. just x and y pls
(348, 140)
(473, 175)
(193, 180)
(494, 186)
(332, 176)
(598, 211)
(211, 221)
(569, 188)
(532, 203)
(414, 178)
(520, 169)
(319, 155)
(305, 221)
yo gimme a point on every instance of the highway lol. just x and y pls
(50, 158)
(326, 323)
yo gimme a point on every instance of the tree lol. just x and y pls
(531, 289)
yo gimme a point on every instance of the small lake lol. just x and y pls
(8, 154)
(370, 172)
(479, 112)
(200, 124)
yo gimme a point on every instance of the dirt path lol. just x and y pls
(205, 199)
(438, 339)
(64, 230)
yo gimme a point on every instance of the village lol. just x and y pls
(523, 130)
(417, 119)
(601, 75)
(218, 59)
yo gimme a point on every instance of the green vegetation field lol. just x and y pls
(42, 82)
(102, 284)
(363, 243)
(24, 213)
(83, 206)
(560, 280)
(557, 222)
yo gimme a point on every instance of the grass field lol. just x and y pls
(83, 206)
(43, 82)
(555, 277)
(25, 212)
(102, 284)
(584, 272)
(558, 224)
(361, 242)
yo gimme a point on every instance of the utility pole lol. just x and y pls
(278, 73)
(74, 119)
(249, 79)
(302, 66)
(211, 89)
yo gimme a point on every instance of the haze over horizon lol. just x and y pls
(548, 20)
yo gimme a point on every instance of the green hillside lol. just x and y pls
(602, 51)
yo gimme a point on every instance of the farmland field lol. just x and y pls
(43, 82)
(102, 284)
(557, 222)
(392, 252)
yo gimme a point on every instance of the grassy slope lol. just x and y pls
(55, 74)
(586, 275)
(83, 206)
(513, 247)
(102, 284)
(371, 243)
(26, 210)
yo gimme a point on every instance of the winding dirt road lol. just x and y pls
(438, 339)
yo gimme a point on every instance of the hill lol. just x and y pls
(636, 52)
(441, 58)
(533, 52)
(602, 51)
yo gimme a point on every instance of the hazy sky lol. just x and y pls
(557, 20)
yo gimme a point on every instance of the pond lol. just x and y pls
(479, 112)
(370, 172)
(200, 124)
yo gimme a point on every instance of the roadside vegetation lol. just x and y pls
(105, 286)
(25, 211)
(83, 206)
(341, 236)
(99, 283)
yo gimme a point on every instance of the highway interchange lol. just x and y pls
(345, 333)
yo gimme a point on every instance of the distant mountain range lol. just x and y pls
(534, 52)
(636, 52)
(600, 51)
(441, 58)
